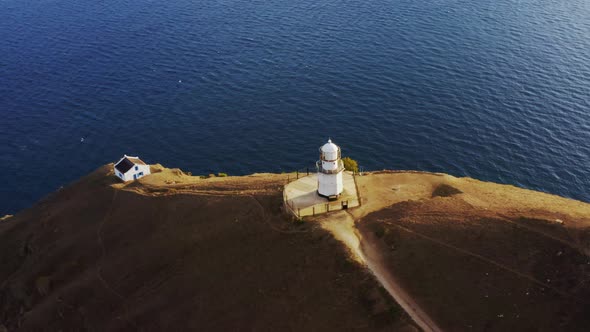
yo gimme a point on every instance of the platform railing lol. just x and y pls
(338, 169)
(321, 208)
(323, 155)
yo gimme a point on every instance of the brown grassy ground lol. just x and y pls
(173, 252)
(480, 256)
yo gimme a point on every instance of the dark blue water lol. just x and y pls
(496, 90)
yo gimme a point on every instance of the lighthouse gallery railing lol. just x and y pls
(330, 171)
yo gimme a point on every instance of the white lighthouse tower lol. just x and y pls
(330, 168)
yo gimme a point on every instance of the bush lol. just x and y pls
(379, 231)
(222, 175)
(444, 190)
(350, 164)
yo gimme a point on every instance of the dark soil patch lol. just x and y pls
(444, 190)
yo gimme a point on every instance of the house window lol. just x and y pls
(136, 168)
(140, 174)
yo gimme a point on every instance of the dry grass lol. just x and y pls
(487, 257)
(178, 252)
(174, 252)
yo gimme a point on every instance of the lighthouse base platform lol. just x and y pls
(302, 199)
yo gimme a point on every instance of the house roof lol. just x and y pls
(136, 160)
(126, 163)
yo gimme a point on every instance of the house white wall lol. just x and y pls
(136, 170)
(128, 176)
(119, 175)
(145, 169)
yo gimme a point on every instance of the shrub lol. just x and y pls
(221, 175)
(350, 164)
(444, 190)
(379, 231)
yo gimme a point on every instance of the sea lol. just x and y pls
(494, 90)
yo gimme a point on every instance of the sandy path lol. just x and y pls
(341, 225)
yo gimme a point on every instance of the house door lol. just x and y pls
(134, 176)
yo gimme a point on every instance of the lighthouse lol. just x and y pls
(330, 169)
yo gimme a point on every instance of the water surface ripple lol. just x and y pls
(496, 90)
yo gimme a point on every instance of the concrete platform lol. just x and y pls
(302, 199)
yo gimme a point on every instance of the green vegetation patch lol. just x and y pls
(350, 164)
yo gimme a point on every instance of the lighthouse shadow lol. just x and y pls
(308, 199)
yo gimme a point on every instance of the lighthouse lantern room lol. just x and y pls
(330, 168)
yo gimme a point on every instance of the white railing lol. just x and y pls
(338, 169)
(322, 207)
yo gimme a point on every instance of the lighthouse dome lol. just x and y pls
(329, 147)
(329, 151)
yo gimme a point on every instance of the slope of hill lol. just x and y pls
(480, 256)
(176, 252)
(173, 252)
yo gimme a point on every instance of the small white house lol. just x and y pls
(330, 168)
(131, 168)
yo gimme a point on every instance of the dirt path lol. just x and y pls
(341, 225)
